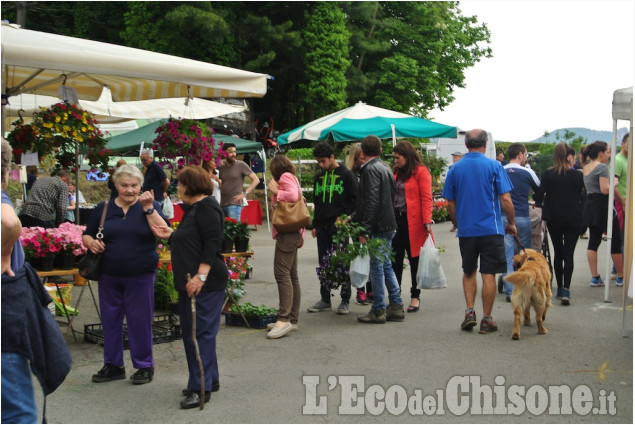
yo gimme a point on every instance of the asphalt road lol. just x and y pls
(425, 369)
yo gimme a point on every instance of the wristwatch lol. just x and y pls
(202, 277)
(149, 211)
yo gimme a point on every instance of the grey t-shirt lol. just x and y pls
(232, 178)
(592, 180)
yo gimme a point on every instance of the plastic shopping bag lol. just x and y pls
(167, 208)
(430, 274)
(359, 271)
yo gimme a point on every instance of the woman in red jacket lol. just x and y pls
(413, 212)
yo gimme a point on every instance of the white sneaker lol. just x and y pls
(294, 326)
(275, 332)
(343, 308)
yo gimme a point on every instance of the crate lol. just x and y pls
(163, 330)
(234, 319)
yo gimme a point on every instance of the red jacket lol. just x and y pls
(418, 190)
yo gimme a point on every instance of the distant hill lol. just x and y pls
(586, 133)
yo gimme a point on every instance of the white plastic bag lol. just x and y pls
(430, 274)
(359, 271)
(167, 208)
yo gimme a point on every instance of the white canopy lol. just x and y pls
(107, 111)
(37, 63)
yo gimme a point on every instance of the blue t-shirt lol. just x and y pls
(130, 243)
(17, 255)
(475, 183)
(524, 179)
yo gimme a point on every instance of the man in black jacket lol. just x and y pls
(334, 191)
(375, 213)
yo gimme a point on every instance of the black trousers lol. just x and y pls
(564, 237)
(401, 246)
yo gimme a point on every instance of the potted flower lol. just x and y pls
(66, 129)
(229, 234)
(71, 244)
(24, 138)
(241, 239)
(187, 141)
(41, 244)
(166, 297)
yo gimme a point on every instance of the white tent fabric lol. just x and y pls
(37, 63)
(622, 110)
(106, 111)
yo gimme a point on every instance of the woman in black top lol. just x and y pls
(560, 193)
(195, 247)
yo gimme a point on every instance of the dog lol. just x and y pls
(531, 282)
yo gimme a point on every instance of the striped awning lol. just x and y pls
(38, 63)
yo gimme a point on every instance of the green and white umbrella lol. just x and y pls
(361, 120)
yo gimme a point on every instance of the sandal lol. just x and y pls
(412, 308)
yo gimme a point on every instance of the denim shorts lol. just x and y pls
(490, 249)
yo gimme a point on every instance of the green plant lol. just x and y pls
(164, 291)
(242, 230)
(435, 164)
(230, 228)
(334, 266)
(250, 310)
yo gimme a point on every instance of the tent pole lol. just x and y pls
(609, 223)
(264, 178)
(628, 245)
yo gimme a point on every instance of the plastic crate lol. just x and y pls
(234, 319)
(162, 331)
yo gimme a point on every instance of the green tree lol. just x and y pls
(389, 38)
(326, 50)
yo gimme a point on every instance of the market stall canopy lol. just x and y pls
(361, 120)
(129, 143)
(37, 63)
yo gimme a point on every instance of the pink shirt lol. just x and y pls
(288, 186)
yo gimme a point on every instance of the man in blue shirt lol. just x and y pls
(524, 179)
(476, 188)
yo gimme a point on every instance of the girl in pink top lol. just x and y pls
(285, 186)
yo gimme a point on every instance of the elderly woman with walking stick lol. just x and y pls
(195, 246)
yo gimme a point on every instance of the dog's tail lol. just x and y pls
(520, 278)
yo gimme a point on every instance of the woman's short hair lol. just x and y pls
(195, 180)
(280, 164)
(127, 170)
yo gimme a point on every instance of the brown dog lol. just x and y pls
(531, 287)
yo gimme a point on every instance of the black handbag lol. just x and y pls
(90, 264)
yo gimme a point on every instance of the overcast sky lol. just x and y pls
(555, 64)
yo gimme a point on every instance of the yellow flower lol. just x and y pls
(57, 118)
(66, 128)
(47, 125)
(83, 129)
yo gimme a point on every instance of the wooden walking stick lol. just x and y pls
(196, 349)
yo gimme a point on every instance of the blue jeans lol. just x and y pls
(382, 276)
(233, 211)
(523, 228)
(18, 398)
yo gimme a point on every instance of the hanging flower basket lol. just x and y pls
(189, 142)
(66, 130)
(24, 138)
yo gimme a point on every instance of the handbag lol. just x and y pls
(291, 216)
(430, 274)
(90, 265)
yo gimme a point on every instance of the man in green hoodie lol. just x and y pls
(334, 194)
